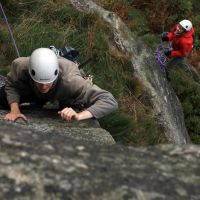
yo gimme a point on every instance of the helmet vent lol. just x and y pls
(33, 72)
(56, 72)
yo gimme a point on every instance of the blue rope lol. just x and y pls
(10, 31)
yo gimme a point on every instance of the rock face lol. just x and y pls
(47, 158)
(47, 120)
(165, 102)
(51, 165)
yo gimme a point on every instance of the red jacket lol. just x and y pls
(182, 44)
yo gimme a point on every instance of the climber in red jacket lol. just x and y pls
(181, 38)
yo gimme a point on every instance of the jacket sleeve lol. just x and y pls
(15, 81)
(170, 36)
(103, 102)
(98, 101)
(184, 50)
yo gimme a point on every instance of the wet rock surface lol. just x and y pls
(51, 165)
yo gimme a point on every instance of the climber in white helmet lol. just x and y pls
(43, 66)
(43, 77)
(181, 37)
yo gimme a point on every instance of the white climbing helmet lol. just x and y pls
(43, 66)
(186, 24)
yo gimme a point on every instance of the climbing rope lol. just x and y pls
(9, 29)
(160, 57)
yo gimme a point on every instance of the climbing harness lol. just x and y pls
(10, 31)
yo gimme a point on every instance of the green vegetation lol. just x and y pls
(42, 23)
(134, 131)
(188, 92)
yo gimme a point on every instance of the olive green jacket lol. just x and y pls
(70, 87)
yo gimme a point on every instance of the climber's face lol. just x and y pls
(179, 29)
(43, 88)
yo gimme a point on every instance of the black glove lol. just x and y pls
(164, 36)
(167, 53)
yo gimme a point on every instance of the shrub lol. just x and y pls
(162, 14)
(188, 91)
